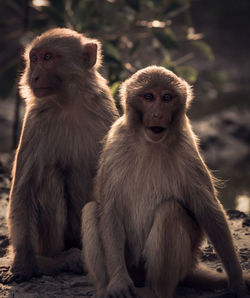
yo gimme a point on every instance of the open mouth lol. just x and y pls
(157, 129)
(155, 134)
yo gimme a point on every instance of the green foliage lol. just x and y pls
(218, 78)
(111, 52)
(166, 37)
(134, 33)
(115, 87)
(204, 49)
(114, 91)
(187, 72)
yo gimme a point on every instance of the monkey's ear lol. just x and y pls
(90, 54)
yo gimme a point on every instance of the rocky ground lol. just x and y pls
(70, 285)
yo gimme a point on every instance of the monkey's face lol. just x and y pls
(158, 107)
(43, 78)
(155, 102)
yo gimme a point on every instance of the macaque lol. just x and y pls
(69, 109)
(154, 199)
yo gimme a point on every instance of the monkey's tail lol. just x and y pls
(206, 279)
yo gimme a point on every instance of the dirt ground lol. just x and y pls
(70, 285)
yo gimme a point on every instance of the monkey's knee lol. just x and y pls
(168, 249)
(89, 210)
(170, 232)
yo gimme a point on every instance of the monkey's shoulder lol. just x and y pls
(51, 135)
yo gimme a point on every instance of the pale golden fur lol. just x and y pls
(153, 202)
(57, 154)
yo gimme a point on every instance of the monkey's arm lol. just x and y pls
(113, 237)
(19, 213)
(211, 216)
(20, 188)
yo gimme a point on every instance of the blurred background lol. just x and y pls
(204, 41)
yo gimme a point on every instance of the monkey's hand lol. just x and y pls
(71, 261)
(121, 286)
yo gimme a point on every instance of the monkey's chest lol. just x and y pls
(148, 183)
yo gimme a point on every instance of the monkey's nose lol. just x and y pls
(157, 115)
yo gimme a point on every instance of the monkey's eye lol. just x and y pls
(148, 96)
(167, 97)
(47, 56)
(33, 57)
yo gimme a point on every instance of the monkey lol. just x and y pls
(69, 109)
(154, 199)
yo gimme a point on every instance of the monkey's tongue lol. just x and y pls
(155, 133)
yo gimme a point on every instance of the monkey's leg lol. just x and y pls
(93, 253)
(168, 249)
(77, 189)
(52, 214)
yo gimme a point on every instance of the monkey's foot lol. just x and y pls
(8, 275)
(72, 261)
(120, 288)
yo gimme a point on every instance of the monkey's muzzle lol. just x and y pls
(156, 133)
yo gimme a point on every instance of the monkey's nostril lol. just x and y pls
(155, 115)
(36, 78)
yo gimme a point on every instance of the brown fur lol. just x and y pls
(57, 154)
(154, 201)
